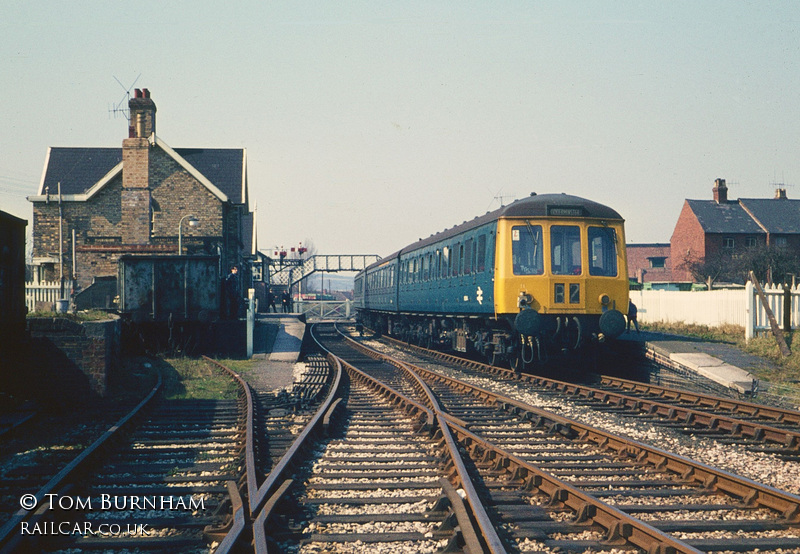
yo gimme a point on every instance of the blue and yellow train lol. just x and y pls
(544, 273)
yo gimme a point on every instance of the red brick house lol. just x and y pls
(649, 263)
(97, 204)
(709, 227)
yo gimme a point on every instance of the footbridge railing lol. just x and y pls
(292, 272)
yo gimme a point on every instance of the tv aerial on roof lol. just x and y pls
(121, 107)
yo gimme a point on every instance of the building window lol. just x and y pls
(780, 242)
(658, 262)
(728, 243)
(751, 242)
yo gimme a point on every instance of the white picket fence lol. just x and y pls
(717, 307)
(38, 292)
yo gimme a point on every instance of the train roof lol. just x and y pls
(535, 205)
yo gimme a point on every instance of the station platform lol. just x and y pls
(277, 340)
(720, 362)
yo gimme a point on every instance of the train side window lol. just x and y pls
(461, 260)
(445, 261)
(438, 263)
(602, 251)
(480, 254)
(526, 250)
(425, 268)
(565, 250)
(468, 256)
(455, 262)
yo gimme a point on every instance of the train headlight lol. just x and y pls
(524, 300)
(605, 300)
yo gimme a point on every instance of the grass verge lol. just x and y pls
(196, 378)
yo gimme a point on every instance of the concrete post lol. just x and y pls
(750, 313)
(251, 293)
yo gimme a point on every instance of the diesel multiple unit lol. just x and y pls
(548, 271)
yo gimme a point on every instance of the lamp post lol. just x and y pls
(193, 222)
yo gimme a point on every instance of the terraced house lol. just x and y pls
(707, 228)
(97, 204)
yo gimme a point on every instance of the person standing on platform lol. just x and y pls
(632, 317)
(232, 295)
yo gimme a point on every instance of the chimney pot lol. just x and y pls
(780, 194)
(142, 114)
(137, 93)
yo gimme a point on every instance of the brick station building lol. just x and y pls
(102, 203)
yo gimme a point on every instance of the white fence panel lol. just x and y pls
(717, 307)
(42, 291)
(775, 299)
(700, 307)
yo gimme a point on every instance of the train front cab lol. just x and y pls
(561, 280)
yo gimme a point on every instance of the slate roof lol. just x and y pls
(777, 215)
(78, 169)
(727, 217)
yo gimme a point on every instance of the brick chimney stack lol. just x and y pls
(720, 191)
(136, 169)
(142, 115)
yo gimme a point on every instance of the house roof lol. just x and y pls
(776, 215)
(724, 217)
(80, 169)
(77, 169)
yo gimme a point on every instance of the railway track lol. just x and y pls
(593, 489)
(371, 477)
(163, 477)
(755, 427)
(380, 455)
(37, 449)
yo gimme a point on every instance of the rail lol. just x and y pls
(280, 485)
(783, 502)
(8, 532)
(738, 407)
(273, 480)
(753, 494)
(239, 507)
(491, 540)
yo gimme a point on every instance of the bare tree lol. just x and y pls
(770, 263)
(710, 269)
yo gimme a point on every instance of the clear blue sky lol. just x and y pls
(371, 124)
